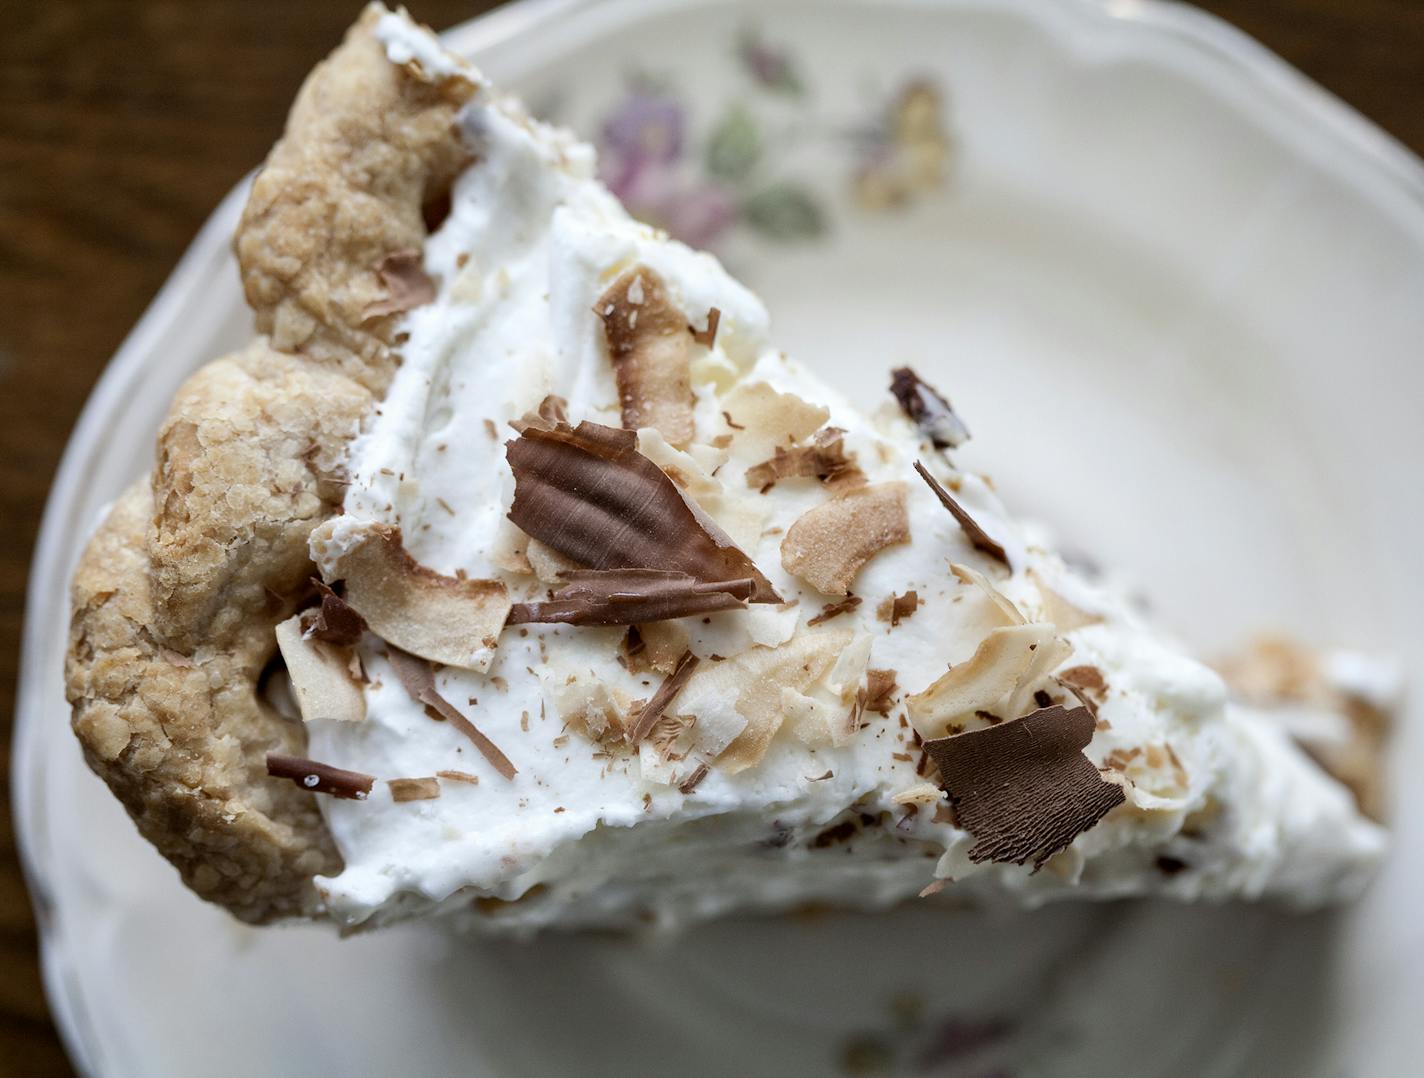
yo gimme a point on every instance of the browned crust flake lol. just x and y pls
(1023, 789)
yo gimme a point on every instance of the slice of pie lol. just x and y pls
(513, 576)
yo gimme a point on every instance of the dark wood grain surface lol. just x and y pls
(121, 126)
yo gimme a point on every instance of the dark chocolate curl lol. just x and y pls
(1023, 788)
(631, 597)
(587, 492)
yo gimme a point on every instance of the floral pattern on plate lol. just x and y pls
(699, 179)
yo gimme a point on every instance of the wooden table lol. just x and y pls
(121, 126)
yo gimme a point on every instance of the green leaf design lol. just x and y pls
(735, 145)
(785, 211)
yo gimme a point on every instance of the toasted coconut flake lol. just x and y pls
(407, 284)
(896, 608)
(1012, 615)
(929, 410)
(418, 678)
(655, 646)
(320, 778)
(320, 675)
(1024, 789)
(593, 708)
(824, 459)
(828, 544)
(649, 342)
(444, 619)
(921, 793)
(761, 674)
(707, 337)
(1046, 658)
(666, 693)
(548, 564)
(423, 789)
(630, 597)
(765, 418)
(835, 610)
(1060, 611)
(588, 493)
(336, 620)
(1002, 659)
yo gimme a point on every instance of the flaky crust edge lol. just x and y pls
(176, 595)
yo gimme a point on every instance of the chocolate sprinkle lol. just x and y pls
(587, 492)
(707, 337)
(418, 677)
(631, 596)
(929, 410)
(824, 459)
(1024, 789)
(897, 608)
(336, 621)
(835, 610)
(671, 686)
(694, 780)
(422, 789)
(320, 778)
(407, 284)
(977, 536)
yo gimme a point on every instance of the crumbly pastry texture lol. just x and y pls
(176, 596)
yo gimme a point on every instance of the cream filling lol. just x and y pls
(532, 241)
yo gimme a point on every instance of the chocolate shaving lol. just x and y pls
(630, 596)
(320, 778)
(459, 776)
(418, 677)
(726, 415)
(897, 608)
(879, 690)
(407, 284)
(587, 492)
(649, 341)
(1087, 678)
(977, 535)
(1024, 789)
(694, 780)
(424, 789)
(929, 410)
(336, 620)
(707, 337)
(835, 610)
(671, 686)
(824, 459)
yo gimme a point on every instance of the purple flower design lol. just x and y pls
(641, 161)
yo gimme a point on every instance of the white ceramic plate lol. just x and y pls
(1176, 290)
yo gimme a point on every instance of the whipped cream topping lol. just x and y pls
(588, 836)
